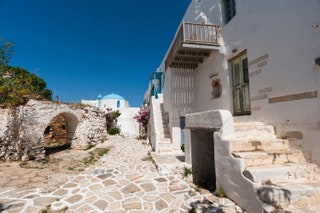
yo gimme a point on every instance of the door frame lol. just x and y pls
(242, 86)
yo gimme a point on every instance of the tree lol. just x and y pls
(6, 51)
(17, 85)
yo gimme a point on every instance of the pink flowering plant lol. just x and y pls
(143, 119)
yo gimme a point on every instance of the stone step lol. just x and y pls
(164, 128)
(282, 173)
(314, 208)
(259, 158)
(169, 149)
(247, 131)
(283, 195)
(165, 134)
(165, 140)
(259, 145)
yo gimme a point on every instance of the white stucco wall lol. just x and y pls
(167, 98)
(112, 103)
(178, 99)
(128, 125)
(107, 103)
(90, 102)
(283, 32)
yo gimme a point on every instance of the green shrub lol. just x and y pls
(17, 86)
(182, 147)
(102, 151)
(186, 172)
(114, 130)
(220, 193)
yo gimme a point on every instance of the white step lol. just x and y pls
(283, 173)
(165, 140)
(247, 131)
(259, 158)
(169, 149)
(285, 194)
(258, 145)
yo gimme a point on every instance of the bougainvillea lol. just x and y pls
(143, 119)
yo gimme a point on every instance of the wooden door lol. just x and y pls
(240, 86)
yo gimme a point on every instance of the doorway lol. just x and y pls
(202, 155)
(182, 127)
(240, 85)
(55, 135)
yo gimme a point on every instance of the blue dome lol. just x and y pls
(112, 96)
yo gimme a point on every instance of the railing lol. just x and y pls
(196, 34)
(206, 34)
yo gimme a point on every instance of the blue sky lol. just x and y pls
(83, 48)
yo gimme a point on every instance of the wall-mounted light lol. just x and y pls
(317, 61)
(315, 26)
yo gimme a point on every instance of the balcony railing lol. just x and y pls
(205, 34)
(196, 36)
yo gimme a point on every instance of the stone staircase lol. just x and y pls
(283, 179)
(163, 140)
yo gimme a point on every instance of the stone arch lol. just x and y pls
(62, 126)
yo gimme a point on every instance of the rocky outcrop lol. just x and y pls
(22, 128)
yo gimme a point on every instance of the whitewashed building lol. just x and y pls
(126, 122)
(257, 63)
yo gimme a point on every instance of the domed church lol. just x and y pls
(112, 101)
(126, 122)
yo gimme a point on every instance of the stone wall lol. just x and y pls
(22, 128)
(55, 133)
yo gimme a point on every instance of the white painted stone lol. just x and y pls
(22, 134)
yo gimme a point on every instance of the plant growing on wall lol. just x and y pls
(143, 119)
(111, 120)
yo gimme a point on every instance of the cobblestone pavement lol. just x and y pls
(124, 180)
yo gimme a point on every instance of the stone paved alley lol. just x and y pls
(123, 180)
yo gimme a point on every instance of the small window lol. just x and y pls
(229, 10)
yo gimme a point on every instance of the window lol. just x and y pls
(229, 10)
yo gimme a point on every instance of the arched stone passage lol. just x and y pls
(22, 129)
(72, 123)
(59, 132)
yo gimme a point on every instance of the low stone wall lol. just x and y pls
(217, 127)
(22, 128)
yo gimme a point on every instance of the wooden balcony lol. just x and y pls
(192, 44)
